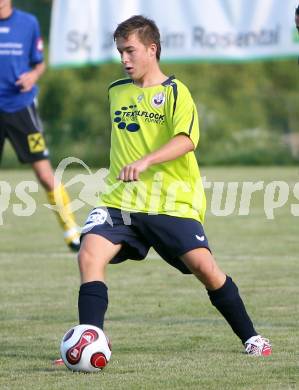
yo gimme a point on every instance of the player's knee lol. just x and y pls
(88, 261)
(208, 272)
(200, 262)
(204, 268)
(85, 259)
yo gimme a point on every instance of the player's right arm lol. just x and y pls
(175, 148)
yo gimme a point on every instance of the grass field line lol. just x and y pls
(153, 256)
(39, 255)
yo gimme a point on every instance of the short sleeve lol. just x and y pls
(37, 47)
(184, 116)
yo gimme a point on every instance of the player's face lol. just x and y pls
(136, 58)
(5, 4)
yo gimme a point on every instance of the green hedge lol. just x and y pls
(245, 111)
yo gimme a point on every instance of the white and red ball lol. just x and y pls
(85, 348)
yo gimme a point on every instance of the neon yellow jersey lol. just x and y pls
(143, 120)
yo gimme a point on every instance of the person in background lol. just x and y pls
(22, 64)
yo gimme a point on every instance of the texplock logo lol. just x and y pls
(130, 118)
(123, 115)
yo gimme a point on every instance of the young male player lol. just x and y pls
(21, 65)
(158, 199)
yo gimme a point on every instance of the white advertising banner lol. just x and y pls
(191, 30)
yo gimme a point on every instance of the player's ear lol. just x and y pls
(153, 49)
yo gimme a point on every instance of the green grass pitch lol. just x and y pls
(165, 334)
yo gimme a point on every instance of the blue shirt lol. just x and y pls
(21, 48)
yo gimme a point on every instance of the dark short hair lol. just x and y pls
(145, 28)
(297, 10)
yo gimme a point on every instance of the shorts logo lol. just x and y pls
(158, 100)
(96, 217)
(36, 143)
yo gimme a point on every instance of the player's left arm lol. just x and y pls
(27, 80)
(173, 149)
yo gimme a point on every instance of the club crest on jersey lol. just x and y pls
(158, 100)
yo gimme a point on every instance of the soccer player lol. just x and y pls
(156, 198)
(22, 64)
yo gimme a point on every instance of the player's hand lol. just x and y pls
(27, 81)
(132, 171)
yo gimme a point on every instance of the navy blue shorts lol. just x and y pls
(25, 133)
(170, 236)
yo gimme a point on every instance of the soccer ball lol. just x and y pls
(85, 348)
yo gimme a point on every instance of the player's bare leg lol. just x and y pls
(58, 196)
(203, 265)
(95, 253)
(44, 174)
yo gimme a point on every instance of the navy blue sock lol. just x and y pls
(93, 303)
(228, 301)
